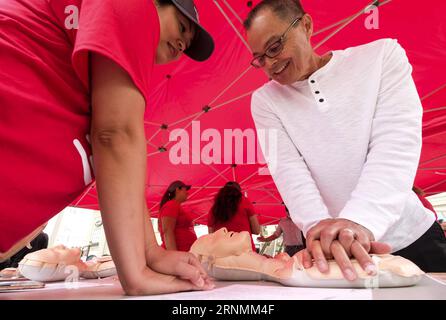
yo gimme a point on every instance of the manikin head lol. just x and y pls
(57, 255)
(180, 32)
(222, 243)
(265, 26)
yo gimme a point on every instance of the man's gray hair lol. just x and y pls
(285, 9)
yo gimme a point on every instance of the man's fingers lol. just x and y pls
(380, 248)
(343, 261)
(319, 257)
(328, 235)
(346, 238)
(307, 260)
(363, 239)
(312, 235)
(366, 262)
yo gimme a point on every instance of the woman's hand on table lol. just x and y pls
(183, 265)
(149, 282)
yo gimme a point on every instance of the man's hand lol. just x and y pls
(342, 239)
(181, 264)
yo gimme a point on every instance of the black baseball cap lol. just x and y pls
(202, 44)
(178, 184)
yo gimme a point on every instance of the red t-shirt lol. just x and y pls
(45, 97)
(239, 222)
(184, 228)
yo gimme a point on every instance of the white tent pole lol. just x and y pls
(209, 165)
(433, 159)
(247, 178)
(259, 185)
(231, 84)
(342, 21)
(350, 20)
(434, 185)
(434, 109)
(209, 182)
(199, 217)
(191, 116)
(184, 128)
(232, 25)
(233, 12)
(267, 203)
(434, 91)
(232, 100)
(154, 135)
(209, 187)
(272, 195)
(85, 193)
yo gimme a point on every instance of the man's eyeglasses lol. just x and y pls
(273, 49)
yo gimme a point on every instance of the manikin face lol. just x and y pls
(58, 254)
(297, 53)
(176, 34)
(223, 243)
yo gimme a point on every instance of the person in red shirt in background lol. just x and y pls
(75, 72)
(233, 211)
(421, 195)
(443, 225)
(174, 223)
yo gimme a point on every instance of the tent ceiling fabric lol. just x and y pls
(217, 94)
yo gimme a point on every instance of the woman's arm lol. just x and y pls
(254, 223)
(119, 153)
(168, 224)
(272, 237)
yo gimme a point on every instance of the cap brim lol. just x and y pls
(202, 45)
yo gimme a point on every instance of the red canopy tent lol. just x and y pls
(217, 94)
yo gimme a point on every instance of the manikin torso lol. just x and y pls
(226, 254)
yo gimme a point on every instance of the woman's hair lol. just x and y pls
(233, 184)
(285, 9)
(226, 202)
(168, 195)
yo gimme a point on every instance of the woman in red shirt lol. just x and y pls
(76, 72)
(233, 211)
(174, 223)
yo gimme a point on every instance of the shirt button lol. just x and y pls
(312, 81)
(317, 92)
(321, 100)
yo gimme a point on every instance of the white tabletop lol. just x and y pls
(427, 288)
